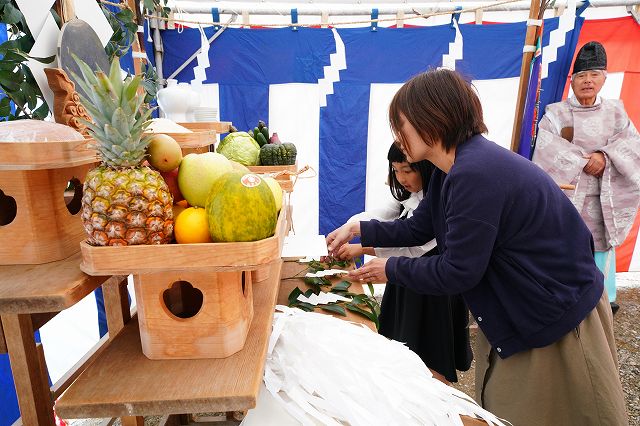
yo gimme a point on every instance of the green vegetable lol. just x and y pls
(265, 132)
(278, 155)
(260, 139)
(240, 147)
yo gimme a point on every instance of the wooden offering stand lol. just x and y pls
(194, 300)
(38, 216)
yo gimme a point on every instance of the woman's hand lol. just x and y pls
(595, 166)
(349, 251)
(371, 272)
(341, 236)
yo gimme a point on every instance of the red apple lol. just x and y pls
(171, 178)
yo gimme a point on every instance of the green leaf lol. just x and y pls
(371, 291)
(341, 286)
(358, 298)
(41, 112)
(316, 281)
(149, 4)
(293, 296)
(30, 95)
(318, 266)
(337, 309)
(372, 316)
(125, 15)
(339, 263)
(304, 306)
(24, 55)
(5, 107)
(11, 15)
(8, 81)
(9, 45)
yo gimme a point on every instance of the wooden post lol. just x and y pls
(116, 301)
(34, 397)
(3, 344)
(532, 31)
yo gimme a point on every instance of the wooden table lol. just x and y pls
(123, 382)
(30, 295)
(294, 269)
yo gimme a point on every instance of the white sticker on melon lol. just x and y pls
(250, 180)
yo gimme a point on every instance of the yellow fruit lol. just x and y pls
(191, 226)
(164, 152)
(276, 189)
(237, 166)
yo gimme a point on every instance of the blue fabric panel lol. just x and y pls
(244, 105)
(343, 155)
(103, 328)
(381, 57)
(491, 51)
(9, 411)
(372, 57)
(252, 56)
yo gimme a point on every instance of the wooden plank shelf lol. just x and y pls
(145, 259)
(123, 382)
(39, 155)
(49, 287)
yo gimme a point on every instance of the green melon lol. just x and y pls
(241, 207)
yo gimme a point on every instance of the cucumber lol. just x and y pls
(261, 139)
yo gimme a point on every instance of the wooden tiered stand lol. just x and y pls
(194, 300)
(122, 381)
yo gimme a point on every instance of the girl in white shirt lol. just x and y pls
(435, 327)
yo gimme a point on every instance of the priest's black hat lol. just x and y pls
(591, 56)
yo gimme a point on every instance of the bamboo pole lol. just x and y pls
(525, 69)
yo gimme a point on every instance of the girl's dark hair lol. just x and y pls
(423, 167)
(440, 105)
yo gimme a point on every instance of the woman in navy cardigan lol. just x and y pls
(516, 249)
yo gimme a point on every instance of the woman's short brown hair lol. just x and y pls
(440, 105)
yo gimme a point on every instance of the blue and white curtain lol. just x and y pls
(328, 91)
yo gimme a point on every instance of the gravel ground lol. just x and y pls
(627, 332)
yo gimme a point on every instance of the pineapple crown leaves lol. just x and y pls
(119, 118)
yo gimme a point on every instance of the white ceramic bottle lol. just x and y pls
(177, 100)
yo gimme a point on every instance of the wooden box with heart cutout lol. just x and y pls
(40, 194)
(194, 300)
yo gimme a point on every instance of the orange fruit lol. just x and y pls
(177, 209)
(191, 226)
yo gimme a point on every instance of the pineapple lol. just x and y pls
(123, 202)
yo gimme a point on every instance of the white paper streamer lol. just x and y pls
(322, 298)
(316, 372)
(199, 71)
(326, 273)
